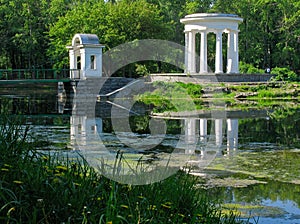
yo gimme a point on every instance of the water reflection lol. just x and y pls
(34, 99)
(201, 138)
(84, 126)
(194, 134)
(232, 134)
(198, 140)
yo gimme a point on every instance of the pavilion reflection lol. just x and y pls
(197, 130)
(220, 135)
(81, 127)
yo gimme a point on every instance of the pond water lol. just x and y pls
(249, 159)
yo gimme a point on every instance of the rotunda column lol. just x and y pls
(203, 52)
(219, 56)
(232, 52)
(186, 53)
(191, 53)
(72, 61)
(235, 61)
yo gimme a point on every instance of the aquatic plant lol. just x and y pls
(13, 138)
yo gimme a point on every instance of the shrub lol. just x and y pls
(284, 74)
(141, 70)
(249, 69)
(194, 90)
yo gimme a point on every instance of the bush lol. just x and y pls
(249, 69)
(284, 74)
(194, 90)
(141, 70)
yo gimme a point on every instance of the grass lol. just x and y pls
(269, 90)
(45, 188)
(173, 97)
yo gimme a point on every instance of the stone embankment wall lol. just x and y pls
(85, 93)
(209, 78)
(113, 83)
(106, 85)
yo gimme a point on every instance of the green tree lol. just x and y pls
(173, 10)
(79, 19)
(23, 27)
(287, 48)
(117, 23)
(270, 31)
(269, 34)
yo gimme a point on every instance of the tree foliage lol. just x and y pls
(22, 28)
(269, 34)
(114, 23)
(35, 33)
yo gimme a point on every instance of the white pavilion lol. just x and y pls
(85, 55)
(218, 24)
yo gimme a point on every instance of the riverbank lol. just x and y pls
(178, 96)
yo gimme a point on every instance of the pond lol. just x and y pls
(249, 159)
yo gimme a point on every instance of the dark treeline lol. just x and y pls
(35, 34)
